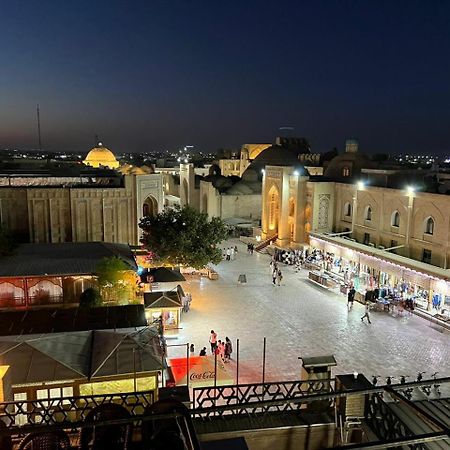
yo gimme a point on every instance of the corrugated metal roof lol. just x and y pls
(69, 258)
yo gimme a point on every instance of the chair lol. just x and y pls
(174, 433)
(5, 440)
(106, 437)
(49, 440)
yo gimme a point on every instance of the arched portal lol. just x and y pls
(274, 209)
(150, 207)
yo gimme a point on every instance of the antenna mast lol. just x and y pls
(39, 127)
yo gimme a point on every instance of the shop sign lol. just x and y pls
(207, 375)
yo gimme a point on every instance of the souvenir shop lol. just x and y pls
(377, 279)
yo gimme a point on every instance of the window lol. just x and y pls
(347, 209)
(429, 226)
(346, 172)
(426, 256)
(366, 238)
(368, 213)
(395, 219)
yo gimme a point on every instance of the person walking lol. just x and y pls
(202, 352)
(252, 249)
(228, 253)
(279, 277)
(351, 297)
(235, 250)
(274, 277)
(228, 349)
(232, 255)
(367, 313)
(222, 350)
(213, 341)
(192, 349)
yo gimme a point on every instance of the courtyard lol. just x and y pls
(301, 319)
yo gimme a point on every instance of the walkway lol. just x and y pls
(303, 319)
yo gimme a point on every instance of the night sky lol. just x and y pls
(156, 75)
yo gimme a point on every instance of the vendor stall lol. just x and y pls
(166, 304)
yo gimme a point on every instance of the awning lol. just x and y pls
(375, 254)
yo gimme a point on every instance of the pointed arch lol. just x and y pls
(274, 208)
(429, 225)
(395, 219)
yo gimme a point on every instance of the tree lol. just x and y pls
(114, 280)
(90, 298)
(183, 236)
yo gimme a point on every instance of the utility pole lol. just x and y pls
(39, 127)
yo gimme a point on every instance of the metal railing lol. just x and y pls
(69, 410)
(254, 399)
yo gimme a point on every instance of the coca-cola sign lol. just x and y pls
(207, 375)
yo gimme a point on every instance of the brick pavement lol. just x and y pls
(303, 319)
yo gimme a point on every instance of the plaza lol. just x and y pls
(299, 319)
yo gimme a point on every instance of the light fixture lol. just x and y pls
(360, 185)
(263, 171)
(296, 173)
(410, 189)
(355, 375)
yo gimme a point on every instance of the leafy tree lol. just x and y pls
(90, 298)
(114, 279)
(183, 236)
(109, 270)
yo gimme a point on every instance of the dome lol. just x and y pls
(101, 157)
(348, 165)
(277, 155)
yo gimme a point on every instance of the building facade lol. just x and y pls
(36, 210)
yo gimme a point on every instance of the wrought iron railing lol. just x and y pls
(69, 410)
(385, 423)
(251, 397)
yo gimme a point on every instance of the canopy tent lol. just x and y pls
(165, 275)
(80, 355)
(201, 371)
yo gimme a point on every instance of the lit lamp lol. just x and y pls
(360, 185)
(410, 190)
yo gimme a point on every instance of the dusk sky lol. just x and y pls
(155, 75)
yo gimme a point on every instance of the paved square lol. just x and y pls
(302, 319)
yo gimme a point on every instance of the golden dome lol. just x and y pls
(101, 156)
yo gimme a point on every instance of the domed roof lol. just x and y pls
(277, 155)
(101, 156)
(348, 165)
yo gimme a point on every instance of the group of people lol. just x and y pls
(277, 275)
(229, 254)
(351, 298)
(222, 349)
(250, 248)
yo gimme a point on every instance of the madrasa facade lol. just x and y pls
(97, 200)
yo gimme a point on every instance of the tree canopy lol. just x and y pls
(183, 236)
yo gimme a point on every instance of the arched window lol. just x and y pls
(345, 171)
(368, 213)
(347, 209)
(395, 219)
(274, 207)
(429, 226)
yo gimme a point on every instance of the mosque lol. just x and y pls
(99, 200)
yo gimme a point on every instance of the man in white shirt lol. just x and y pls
(367, 313)
(213, 341)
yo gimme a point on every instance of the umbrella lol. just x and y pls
(165, 275)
